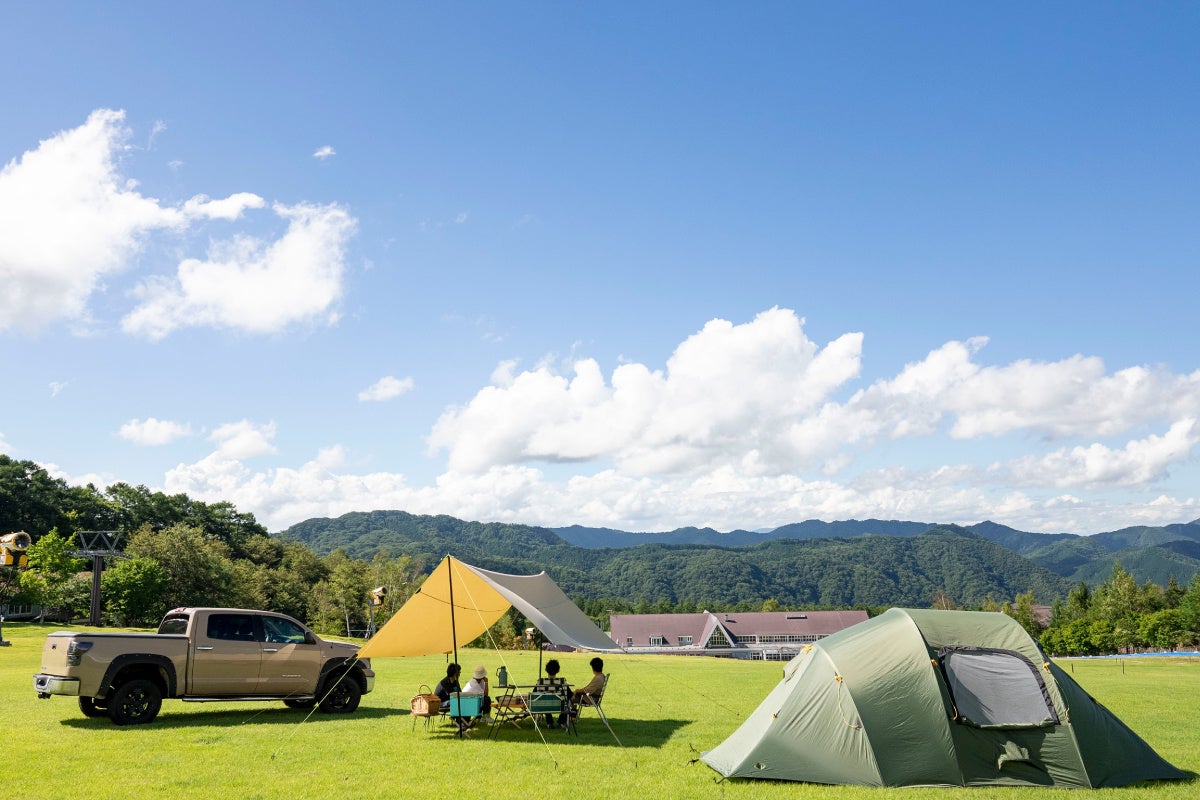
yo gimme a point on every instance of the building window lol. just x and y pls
(685, 640)
(629, 641)
(656, 641)
(717, 640)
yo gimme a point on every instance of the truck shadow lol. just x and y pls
(191, 717)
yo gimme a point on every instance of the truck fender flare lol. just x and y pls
(333, 666)
(161, 663)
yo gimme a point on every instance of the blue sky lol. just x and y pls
(618, 265)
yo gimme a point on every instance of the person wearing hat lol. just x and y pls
(479, 685)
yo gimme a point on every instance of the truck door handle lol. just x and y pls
(270, 649)
(204, 647)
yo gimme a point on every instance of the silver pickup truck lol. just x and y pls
(203, 655)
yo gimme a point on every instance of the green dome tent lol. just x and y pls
(934, 698)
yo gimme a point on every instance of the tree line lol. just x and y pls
(183, 552)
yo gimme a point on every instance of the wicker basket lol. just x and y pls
(425, 704)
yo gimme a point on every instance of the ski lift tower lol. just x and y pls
(97, 546)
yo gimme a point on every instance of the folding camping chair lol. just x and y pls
(593, 700)
(549, 697)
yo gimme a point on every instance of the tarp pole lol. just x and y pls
(453, 631)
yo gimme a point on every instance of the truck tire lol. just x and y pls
(135, 702)
(92, 707)
(343, 697)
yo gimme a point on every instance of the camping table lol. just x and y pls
(514, 706)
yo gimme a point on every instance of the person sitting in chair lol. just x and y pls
(448, 685)
(583, 694)
(479, 685)
(551, 684)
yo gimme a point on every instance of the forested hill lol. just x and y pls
(811, 529)
(830, 572)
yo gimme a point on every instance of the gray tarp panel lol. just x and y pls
(548, 607)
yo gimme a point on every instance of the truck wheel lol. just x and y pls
(344, 696)
(135, 702)
(91, 707)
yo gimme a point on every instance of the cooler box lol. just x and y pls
(467, 705)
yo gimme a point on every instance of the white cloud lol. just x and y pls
(159, 127)
(729, 391)
(725, 499)
(153, 432)
(69, 219)
(237, 440)
(251, 285)
(56, 387)
(324, 152)
(230, 208)
(72, 220)
(386, 388)
(1096, 465)
(744, 428)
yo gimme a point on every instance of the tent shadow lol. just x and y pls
(228, 718)
(592, 733)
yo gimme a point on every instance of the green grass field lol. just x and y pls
(664, 709)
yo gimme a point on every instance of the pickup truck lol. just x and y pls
(203, 655)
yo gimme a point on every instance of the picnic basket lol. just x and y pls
(425, 703)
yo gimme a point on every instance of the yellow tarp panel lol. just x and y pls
(422, 626)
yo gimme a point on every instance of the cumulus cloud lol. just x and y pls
(153, 432)
(1096, 465)
(73, 219)
(725, 499)
(69, 220)
(324, 152)
(386, 388)
(727, 394)
(754, 425)
(253, 285)
(244, 439)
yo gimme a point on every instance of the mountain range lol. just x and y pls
(851, 563)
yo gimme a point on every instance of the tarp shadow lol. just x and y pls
(592, 733)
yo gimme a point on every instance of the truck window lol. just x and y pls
(174, 624)
(231, 627)
(282, 631)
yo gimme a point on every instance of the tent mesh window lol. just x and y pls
(996, 688)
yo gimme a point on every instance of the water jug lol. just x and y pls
(502, 676)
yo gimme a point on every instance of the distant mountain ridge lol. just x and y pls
(844, 563)
(1148, 552)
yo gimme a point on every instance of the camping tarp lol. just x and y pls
(430, 624)
(934, 698)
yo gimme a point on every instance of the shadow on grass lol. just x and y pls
(592, 733)
(195, 716)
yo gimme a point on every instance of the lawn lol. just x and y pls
(664, 709)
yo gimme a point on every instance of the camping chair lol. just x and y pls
(550, 697)
(592, 700)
